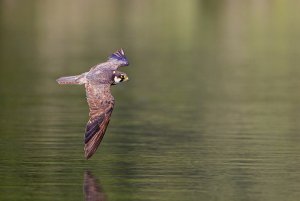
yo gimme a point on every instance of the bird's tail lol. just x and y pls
(76, 79)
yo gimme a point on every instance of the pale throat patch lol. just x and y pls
(117, 79)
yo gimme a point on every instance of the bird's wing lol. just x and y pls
(96, 127)
(116, 60)
(100, 111)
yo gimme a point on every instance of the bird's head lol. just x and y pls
(119, 77)
(119, 58)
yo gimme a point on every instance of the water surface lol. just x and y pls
(211, 111)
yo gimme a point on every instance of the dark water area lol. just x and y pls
(211, 111)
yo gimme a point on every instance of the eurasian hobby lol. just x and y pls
(97, 83)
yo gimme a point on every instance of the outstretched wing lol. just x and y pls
(116, 60)
(96, 127)
(100, 112)
(120, 57)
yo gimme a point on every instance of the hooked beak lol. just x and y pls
(126, 78)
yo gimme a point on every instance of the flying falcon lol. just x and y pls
(97, 84)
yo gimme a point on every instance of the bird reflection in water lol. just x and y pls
(92, 188)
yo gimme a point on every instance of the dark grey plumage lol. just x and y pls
(101, 103)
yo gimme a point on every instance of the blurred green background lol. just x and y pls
(211, 111)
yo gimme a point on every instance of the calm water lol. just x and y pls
(211, 111)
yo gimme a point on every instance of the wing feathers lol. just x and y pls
(92, 128)
(95, 130)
